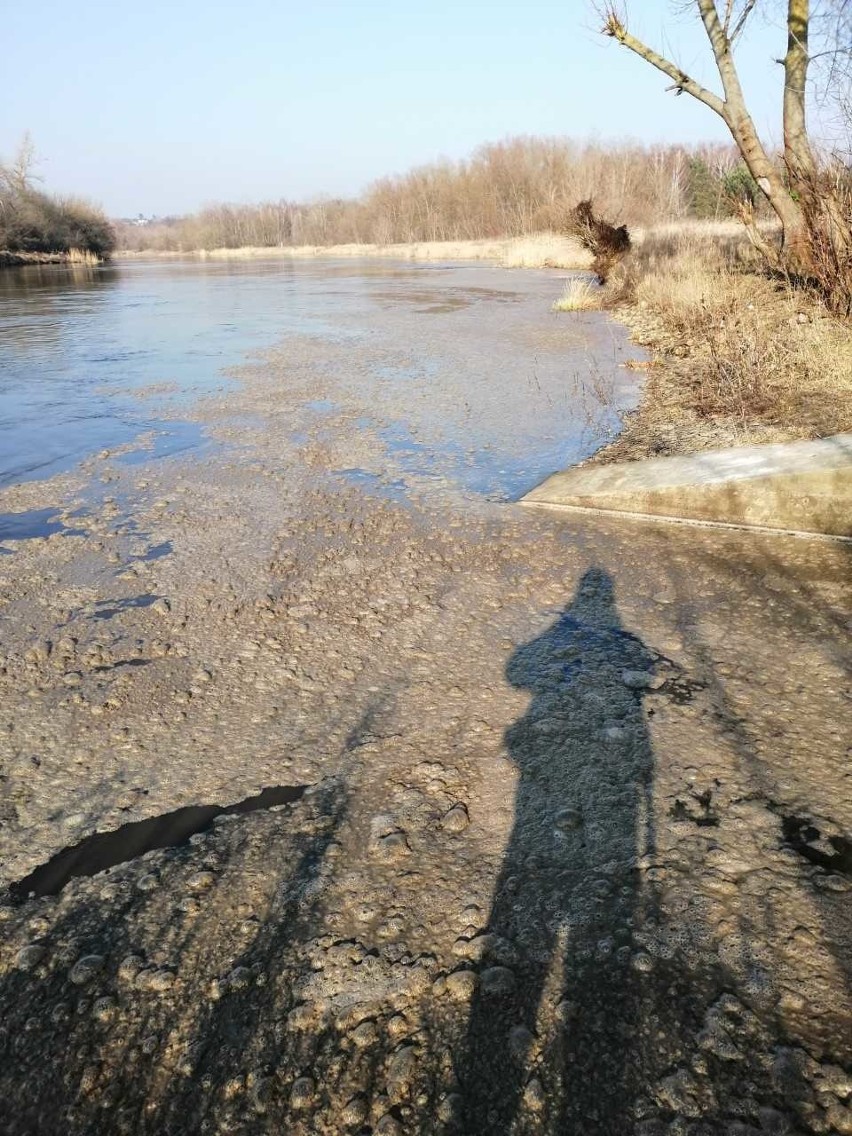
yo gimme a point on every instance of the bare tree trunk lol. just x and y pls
(732, 108)
(797, 149)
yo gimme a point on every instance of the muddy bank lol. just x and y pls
(573, 854)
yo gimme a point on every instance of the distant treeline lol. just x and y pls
(33, 222)
(509, 188)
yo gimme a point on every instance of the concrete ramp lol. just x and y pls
(790, 487)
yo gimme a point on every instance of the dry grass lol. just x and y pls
(82, 256)
(578, 295)
(689, 229)
(73, 256)
(743, 358)
(546, 250)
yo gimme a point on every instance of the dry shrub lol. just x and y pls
(746, 349)
(828, 213)
(608, 244)
(578, 295)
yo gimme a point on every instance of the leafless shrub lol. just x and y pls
(607, 243)
(828, 214)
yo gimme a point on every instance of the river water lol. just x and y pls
(93, 358)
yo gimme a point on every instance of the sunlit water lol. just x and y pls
(84, 352)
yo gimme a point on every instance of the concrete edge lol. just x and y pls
(793, 488)
(664, 519)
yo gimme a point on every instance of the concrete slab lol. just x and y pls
(790, 487)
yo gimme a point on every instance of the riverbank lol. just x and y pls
(22, 259)
(543, 250)
(738, 358)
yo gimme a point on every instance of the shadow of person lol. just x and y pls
(554, 1022)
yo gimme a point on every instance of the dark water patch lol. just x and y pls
(158, 551)
(104, 850)
(443, 300)
(106, 609)
(442, 309)
(501, 295)
(34, 523)
(321, 405)
(424, 301)
(123, 663)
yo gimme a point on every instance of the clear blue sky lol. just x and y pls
(160, 107)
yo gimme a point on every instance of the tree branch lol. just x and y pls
(616, 28)
(741, 22)
(718, 41)
(732, 109)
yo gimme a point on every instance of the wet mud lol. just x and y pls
(104, 850)
(573, 855)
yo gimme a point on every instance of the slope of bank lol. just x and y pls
(791, 487)
(738, 358)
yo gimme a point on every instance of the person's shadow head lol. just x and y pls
(586, 642)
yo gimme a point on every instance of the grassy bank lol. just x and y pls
(737, 357)
(544, 250)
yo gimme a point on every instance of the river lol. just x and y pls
(90, 357)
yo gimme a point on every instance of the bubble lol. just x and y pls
(30, 956)
(85, 969)
(302, 1093)
(462, 985)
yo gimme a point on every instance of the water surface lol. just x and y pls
(445, 360)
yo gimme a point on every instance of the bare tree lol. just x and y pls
(19, 175)
(812, 217)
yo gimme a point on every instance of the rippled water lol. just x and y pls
(91, 357)
(77, 341)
